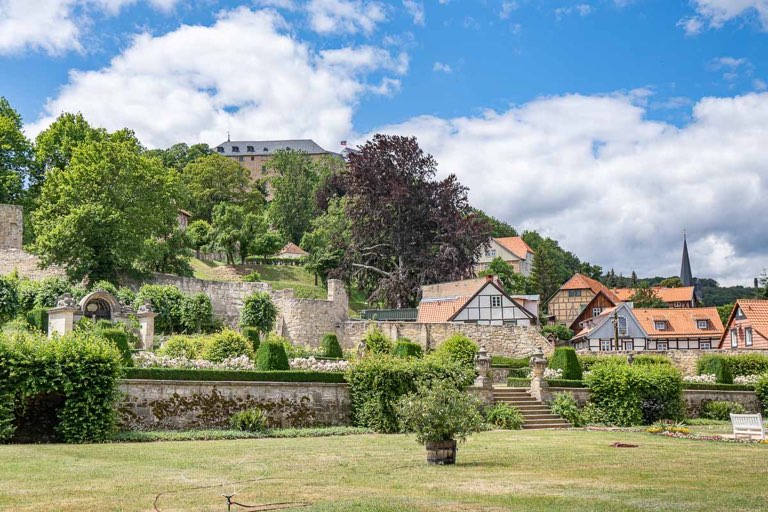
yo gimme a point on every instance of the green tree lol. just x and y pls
(725, 312)
(235, 230)
(294, 182)
(499, 228)
(326, 240)
(94, 216)
(267, 243)
(646, 297)
(15, 154)
(168, 254)
(55, 146)
(199, 235)
(214, 179)
(179, 155)
(671, 282)
(513, 282)
(546, 275)
(259, 311)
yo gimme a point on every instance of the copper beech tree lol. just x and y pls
(406, 227)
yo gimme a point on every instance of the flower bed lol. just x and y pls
(706, 378)
(697, 437)
(319, 365)
(151, 360)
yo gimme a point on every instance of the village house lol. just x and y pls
(567, 304)
(291, 251)
(682, 297)
(615, 328)
(747, 326)
(511, 249)
(254, 154)
(480, 301)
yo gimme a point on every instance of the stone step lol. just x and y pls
(545, 426)
(545, 421)
(541, 416)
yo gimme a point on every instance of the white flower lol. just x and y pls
(318, 365)
(707, 378)
(746, 379)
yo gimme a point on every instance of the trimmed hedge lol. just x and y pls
(271, 356)
(761, 390)
(644, 359)
(235, 375)
(520, 373)
(253, 335)
(407, 348)
(330, 346)
(515, 382)
(121, 340)
(589, 361)
(510, 362)
(718, 387)
(566, 383)
(747, 364)
(565, 359)
(227, 344)
(38, 318)
(717, 366)
(458, 349)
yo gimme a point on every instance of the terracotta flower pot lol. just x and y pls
(441, 452)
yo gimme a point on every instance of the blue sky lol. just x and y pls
(608, 124)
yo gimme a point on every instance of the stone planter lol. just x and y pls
(441, 452)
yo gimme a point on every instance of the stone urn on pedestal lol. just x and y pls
(538, 384)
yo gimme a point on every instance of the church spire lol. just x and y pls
(686, 276)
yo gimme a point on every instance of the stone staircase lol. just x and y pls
(536, 414)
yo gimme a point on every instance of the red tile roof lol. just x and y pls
(582, 282)
(440, 310)
(516, 246)
(292, 248)
(679, 322)
(756, 311)
(668, 295)
(450, 289)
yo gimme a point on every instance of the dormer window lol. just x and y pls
(250, 149)
(740, 314)
(219, 149)
(265, 150)
(660, 325)
(235, 149)
(702, 324)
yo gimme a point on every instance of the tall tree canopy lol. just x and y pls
(215, 179)
(55, 145)
(499, 228)
(95, 215)
(180, 155)
(294, 181)
(15, 154)
(327, 240)
(406, 228)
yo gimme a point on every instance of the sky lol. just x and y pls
(609, 125)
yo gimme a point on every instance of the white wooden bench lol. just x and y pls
(748, 425)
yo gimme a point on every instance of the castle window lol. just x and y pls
(240, 159)
(235, 149)
(250, 149)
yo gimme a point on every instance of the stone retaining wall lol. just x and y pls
(178, 405)
(499, 340)
(11, 226)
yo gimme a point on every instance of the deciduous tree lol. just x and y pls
(15, 154)
(294, 182)
(214, 179)
(513, 282)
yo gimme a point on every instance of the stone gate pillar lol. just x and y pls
(61, 319)
(146, 325)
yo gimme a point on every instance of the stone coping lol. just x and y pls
(241, 383)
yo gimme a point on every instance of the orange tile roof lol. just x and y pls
(681, 294)
(680, 322)
(516, 246)
(292, 248)
(450, 289)
(440, 310)
(756, 311)
(582, 282)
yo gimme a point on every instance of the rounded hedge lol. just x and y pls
(330, 347)
(761, 390)
(459, 349)
(717, 366)
(376, 342)
(721, 410)
(121, 340)
(253, 335)
(406, 348)
(227, 344)
(190, 347)
(271, 356)
(259, 311)
(565, 359)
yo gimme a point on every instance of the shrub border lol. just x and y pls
(234, 375)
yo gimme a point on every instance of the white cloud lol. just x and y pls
(615, 187)
(580, 9)
(244, 74)
(345, 16)
(507, 8)
(416, 10)
(759, 84)
(715, 13)
(54, 26)
(732, 68)
(440, 67)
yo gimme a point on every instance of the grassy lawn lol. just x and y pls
(523, 470)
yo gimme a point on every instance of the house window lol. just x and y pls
(705, 345)
(250, 149)
(660, 325)
(678, 304)
(490, 252)
(734, 339)
(574, 293)
(240, 159)
(740, 314)
(596, 311)
(662, 345)
(629, 345)
(495, 301)
(235, 149)
(748, 336)
(605, 345)
(220, 149)
(702, 324)
(622, 326)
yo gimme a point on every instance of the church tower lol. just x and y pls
(686, 276)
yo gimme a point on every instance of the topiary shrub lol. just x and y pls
(627, 395)
(249, 420)
(721, 410)
(121, 340)
(761, 390)
(330, 346)
(565, 405)
(38, 318)
(271, 355)
(378, 381)
(227, 344)
(717, 366)
(742, 365)
(376, 342)
(191, 347)
(459, 349)
(406, 348)
(196, 313)
(565, 359)
(254, 336)
(259, 311)
(561, 331)
(504, 416)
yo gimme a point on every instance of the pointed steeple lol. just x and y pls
(686, 276)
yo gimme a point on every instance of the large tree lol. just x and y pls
(547, 272)
(215, 179)
(239, 232)
(180, 155)
(55, 145)
(646, 297)
(294, 181)
(15, 154)
(327, 240)
(406, 228)
(95, 215)
(512, 282)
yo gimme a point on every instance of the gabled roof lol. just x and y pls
(439, 310)
(269, 147)
(596, 322)
(292, 248)
(591, 304)
(680, 322)
(516, 246)
(452, 289)
(756, 311)
(668, 295)
(581, 282)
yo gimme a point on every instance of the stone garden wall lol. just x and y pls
(499, 340)
(11, 226)
(177, 405)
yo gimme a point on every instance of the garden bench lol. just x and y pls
(748, 425)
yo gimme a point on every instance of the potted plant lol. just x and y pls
(439, 415)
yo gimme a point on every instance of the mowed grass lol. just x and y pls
(523, 470)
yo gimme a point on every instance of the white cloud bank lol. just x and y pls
(615, 187)
(54, 26)
(716, 13)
